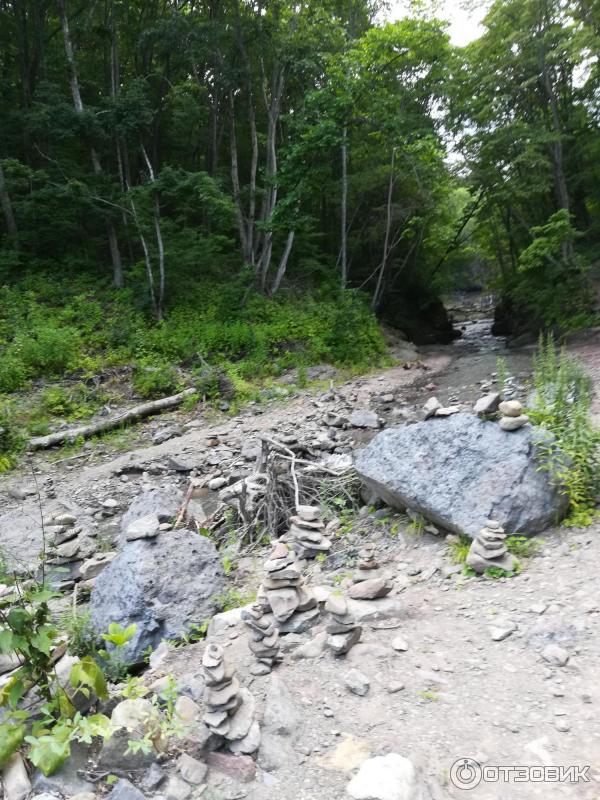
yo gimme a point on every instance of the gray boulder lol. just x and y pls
(163, 503)
(162, 585)
(460, 471)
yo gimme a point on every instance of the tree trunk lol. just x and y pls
(282, 264)
(7, 209)
(377, 295)
(344, 214)
(113, 243)
(110, 423)
(159, 242)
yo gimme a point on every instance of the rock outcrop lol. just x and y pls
(162, 585)
(461, 471)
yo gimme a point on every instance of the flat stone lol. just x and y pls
(191, 770)
(500, 632)
(400, 644)
(340, 643)
(308, 513)
(300, 622)
(144, 528)
(370, 589)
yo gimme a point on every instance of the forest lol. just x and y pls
(229, 188)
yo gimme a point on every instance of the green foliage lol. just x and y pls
(562, 406)
(522, 546)
(114, 663)
(549, 284)
(158, 380)
(459, 549)
(234, 598)
(12, 440)
(81, 637)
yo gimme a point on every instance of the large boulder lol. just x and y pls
(459, 471)
(163, 585)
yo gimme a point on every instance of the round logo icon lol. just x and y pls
(465, 773)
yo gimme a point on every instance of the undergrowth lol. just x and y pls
(223, 338)
(562, 402)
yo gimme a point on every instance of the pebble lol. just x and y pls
(395, 686)
(357, 682)
(400, 644)
(498, 634)
(555, 655)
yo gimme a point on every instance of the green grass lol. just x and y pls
(227, 340)
(563, 396)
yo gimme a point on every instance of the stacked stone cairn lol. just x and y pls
(343, 630)
(283, 590)
(230, 709)
(265, 636)
(512, 415)
(489, 550)
(368, 566)
(369, 581)
(306, 533)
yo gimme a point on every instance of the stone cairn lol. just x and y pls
(306, 533)
(265, 637)
(512, 415)
(230, 709)
(488, 550)
(283, 591)
(369, 581)
(368, 566)
(343, 630)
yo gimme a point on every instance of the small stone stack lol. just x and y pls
(512, 415)
(306, 533)
(343, 630)
(230, 710)
(265, 636)
(489, 550)
(368, 566)
(284, 591)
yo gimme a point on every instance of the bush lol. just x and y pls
(13, 373)
(155, 381)
(12, 440)
(562, 405)
(48, 349)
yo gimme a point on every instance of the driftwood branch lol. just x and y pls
(110, 423)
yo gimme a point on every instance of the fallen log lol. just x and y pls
(109, 423)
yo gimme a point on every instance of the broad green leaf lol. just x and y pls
(6, 640)
(87, 672)
(11, 738)
(49, 752)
